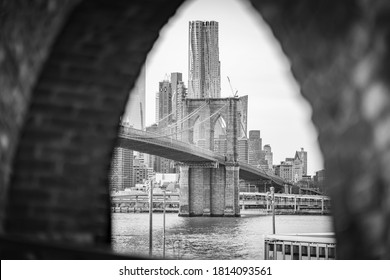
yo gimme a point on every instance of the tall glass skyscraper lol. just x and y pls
(204, 75)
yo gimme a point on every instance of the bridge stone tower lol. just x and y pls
(211, 189)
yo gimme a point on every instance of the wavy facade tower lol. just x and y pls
(204, 75)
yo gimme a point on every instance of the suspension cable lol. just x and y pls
(182, 130)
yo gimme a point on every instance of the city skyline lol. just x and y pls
(256, 66)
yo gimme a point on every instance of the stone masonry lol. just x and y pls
(212, 191)
(66, 68)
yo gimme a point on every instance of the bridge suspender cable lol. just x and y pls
(176, 132)
(177, 123)
(182, 130)
(201, 107)
(166, 131)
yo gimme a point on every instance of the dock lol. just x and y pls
(306, 246)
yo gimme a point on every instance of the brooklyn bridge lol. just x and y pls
(209, 181)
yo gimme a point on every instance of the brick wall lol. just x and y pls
(206, 191)
(184, 180)
(339, 52)
(218, 191)
(59, 185)
(27, 32)
(196, 191)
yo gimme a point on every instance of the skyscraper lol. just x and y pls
(181, 93)
(243, 108)
(204, 75)
(297, 169)
(268, 156)
(164, 98)
(254, 146)
(176, 78)
(135, 109)
(243, 149)
(121, 172)
(303, 156)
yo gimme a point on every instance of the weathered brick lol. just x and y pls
(218, 191)
(77, 83)
(331, 42)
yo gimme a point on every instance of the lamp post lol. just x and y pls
(151, 218)
(164, 188)
(273, 208)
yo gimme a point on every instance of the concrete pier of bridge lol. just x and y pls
(209, 191)
(212, 188)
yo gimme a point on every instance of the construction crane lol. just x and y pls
(235, 94)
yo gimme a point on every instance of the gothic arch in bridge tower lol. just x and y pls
(218, 134)
(204, 113)
(70, 74)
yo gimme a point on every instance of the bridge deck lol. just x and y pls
(155, 144)
(173, 149)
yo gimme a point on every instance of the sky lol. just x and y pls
(253, 60)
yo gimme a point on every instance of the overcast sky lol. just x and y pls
(256, 66)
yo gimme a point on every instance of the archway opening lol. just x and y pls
(219, 135)
(252, 64)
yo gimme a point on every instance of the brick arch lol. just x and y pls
(339, 53)
(59, 187)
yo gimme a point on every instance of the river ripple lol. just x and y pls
(206, 237)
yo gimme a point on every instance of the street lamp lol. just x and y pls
(164, 188)
(273, 208)
(151, 217)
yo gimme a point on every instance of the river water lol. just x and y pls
(206, 237)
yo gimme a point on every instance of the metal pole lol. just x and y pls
(273, 208)
(164, 229)
(151, 219)
(295, 203)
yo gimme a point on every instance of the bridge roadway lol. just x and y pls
(155, 144)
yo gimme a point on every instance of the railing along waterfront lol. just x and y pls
(284, 203)
(310, 246)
